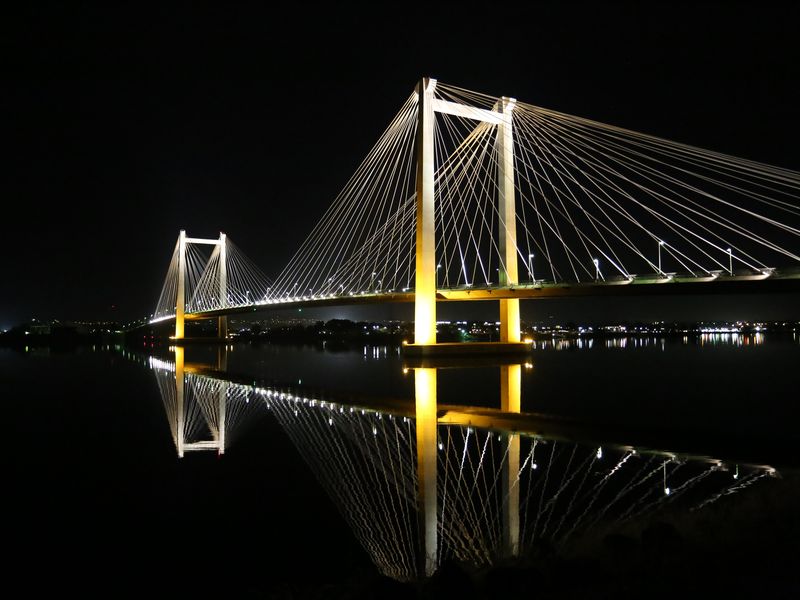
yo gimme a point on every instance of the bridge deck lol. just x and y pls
(736, 284)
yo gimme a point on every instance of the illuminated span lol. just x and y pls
(462, 189)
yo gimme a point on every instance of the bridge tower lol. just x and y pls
(509, 308)
(425, 284)
(222, 322)
(425, 291)
(180, 299)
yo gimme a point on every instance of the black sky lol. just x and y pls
(125, 124)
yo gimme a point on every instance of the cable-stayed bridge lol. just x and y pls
(466, 196)
(421, 483)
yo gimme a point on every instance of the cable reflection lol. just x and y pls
(423, 483)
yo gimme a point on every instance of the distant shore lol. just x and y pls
(344, 332)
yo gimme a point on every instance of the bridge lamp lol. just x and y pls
(596, 267)
(439, 266)
(730, 262)
(530, 267)
(660, 243)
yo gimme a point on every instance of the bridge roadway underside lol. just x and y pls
(726, 286)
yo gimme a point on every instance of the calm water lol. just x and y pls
(318, 483)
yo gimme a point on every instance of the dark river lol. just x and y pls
(592, 468)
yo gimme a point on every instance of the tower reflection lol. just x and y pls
(421, 483)
(202, 410)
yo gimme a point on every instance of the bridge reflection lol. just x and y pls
(421, 483)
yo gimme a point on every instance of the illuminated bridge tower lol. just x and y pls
(221, 260)
(425, 284)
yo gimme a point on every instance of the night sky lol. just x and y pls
(123, 125)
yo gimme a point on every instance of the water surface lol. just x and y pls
(96, 476)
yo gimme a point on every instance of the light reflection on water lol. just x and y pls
(716, 339)
(379, 352)
(498, 490)
(732, 339)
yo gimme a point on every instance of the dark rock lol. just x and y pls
(500, 581)
(621, 547)
(450, 581)
(385, 588)
(661, 540)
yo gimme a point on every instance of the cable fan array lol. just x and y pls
(197, 258)
(364, 242)
(209, 286)
(593, 203)
(245, 284)
(366, 460)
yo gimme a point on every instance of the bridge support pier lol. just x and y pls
(510, 331)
